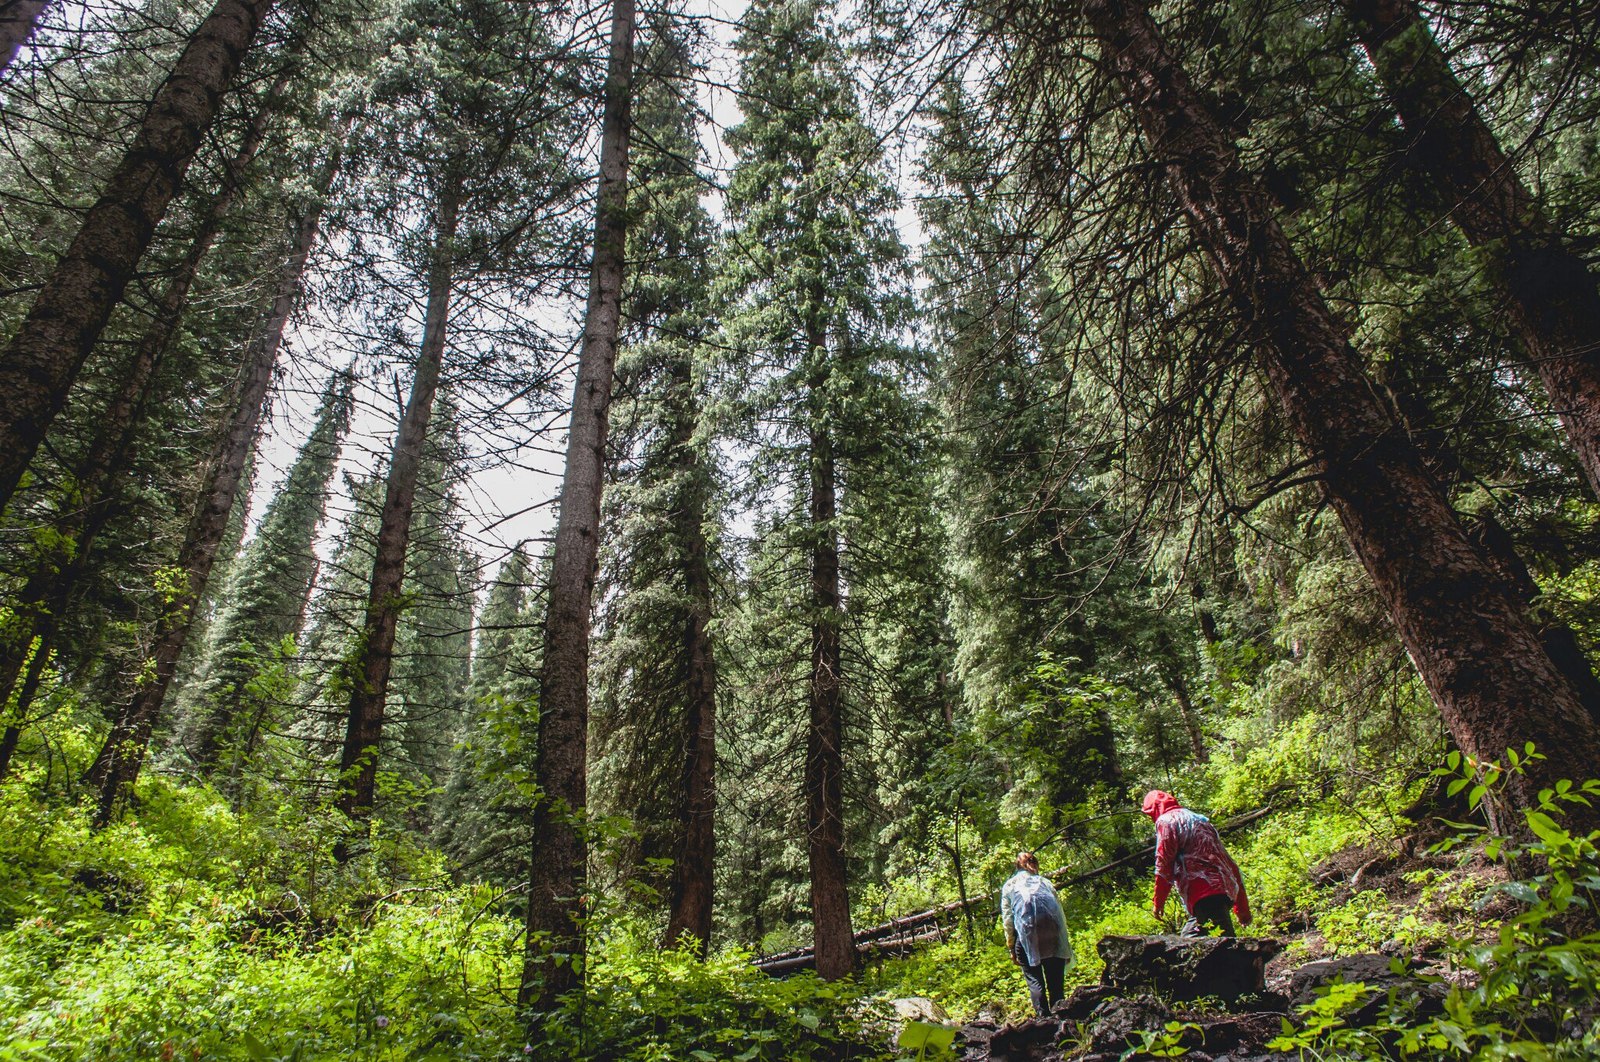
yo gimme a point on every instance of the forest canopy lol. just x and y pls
(523, 525)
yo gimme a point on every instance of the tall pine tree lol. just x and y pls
(263, 603)
(815, 270)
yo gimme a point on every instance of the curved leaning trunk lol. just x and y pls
(117, 766)
(39, 606)
(43, 359)
(1470, 639)
(1553, 298)
(25, 695)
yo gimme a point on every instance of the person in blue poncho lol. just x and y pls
(1036, 932)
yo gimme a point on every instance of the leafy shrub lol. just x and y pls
(192, 931)
(643, 1004)
(1363, 923)
(959, 976)
(1534, 988)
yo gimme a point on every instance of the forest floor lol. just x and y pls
(1391, 914)
(1402, 881)
(193, 931)
(1417, 921)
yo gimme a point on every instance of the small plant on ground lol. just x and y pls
(1535, 991)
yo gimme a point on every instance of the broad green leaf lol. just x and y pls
(914, 1037)
(1520, 890)
(1546, 828)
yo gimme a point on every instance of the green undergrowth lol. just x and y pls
(192, 932)
(966, 976)
(1318, 809)
(1524, 983)
(1526, 987)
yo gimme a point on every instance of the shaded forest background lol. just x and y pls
(972, 415)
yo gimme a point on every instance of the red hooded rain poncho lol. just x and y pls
(1189, 854)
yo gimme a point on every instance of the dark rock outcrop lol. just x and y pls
(1185, 968)
(1115, 1024)
(1241, 1036)
(1143, 988)
(1148, 980)
(1081, 1003)
(1034, 1040)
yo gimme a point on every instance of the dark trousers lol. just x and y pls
(1044, 984)
(1214, 911)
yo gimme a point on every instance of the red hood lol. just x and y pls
(1157, 804)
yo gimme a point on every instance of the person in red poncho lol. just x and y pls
(1189, 854)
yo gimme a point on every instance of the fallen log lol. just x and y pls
(782, 966)
(912, 929)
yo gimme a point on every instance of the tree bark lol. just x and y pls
(38, 607)
(117, 766)
(961, 877)
(1470, 639)
(1497, 546)
(1558, 639)
(8, 747)
(18, 20)
(66, 319)
(691, 891)
(1188, 713)
(369, 673)
(824, 772)
(555, 937)
(18, 714)
(1553, 298)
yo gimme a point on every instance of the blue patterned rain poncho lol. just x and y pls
(1029, 908)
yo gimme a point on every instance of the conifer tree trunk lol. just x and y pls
(692, 888)
(39, 605)
(30, 687)
(1469, 638)
(1552, 296)
(69, 313)
(369, 673)
(824, 773)
(18, 20)
(1173, 679)
(1558, 639)
(560, 865)
(117, 766)
(52, 579)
